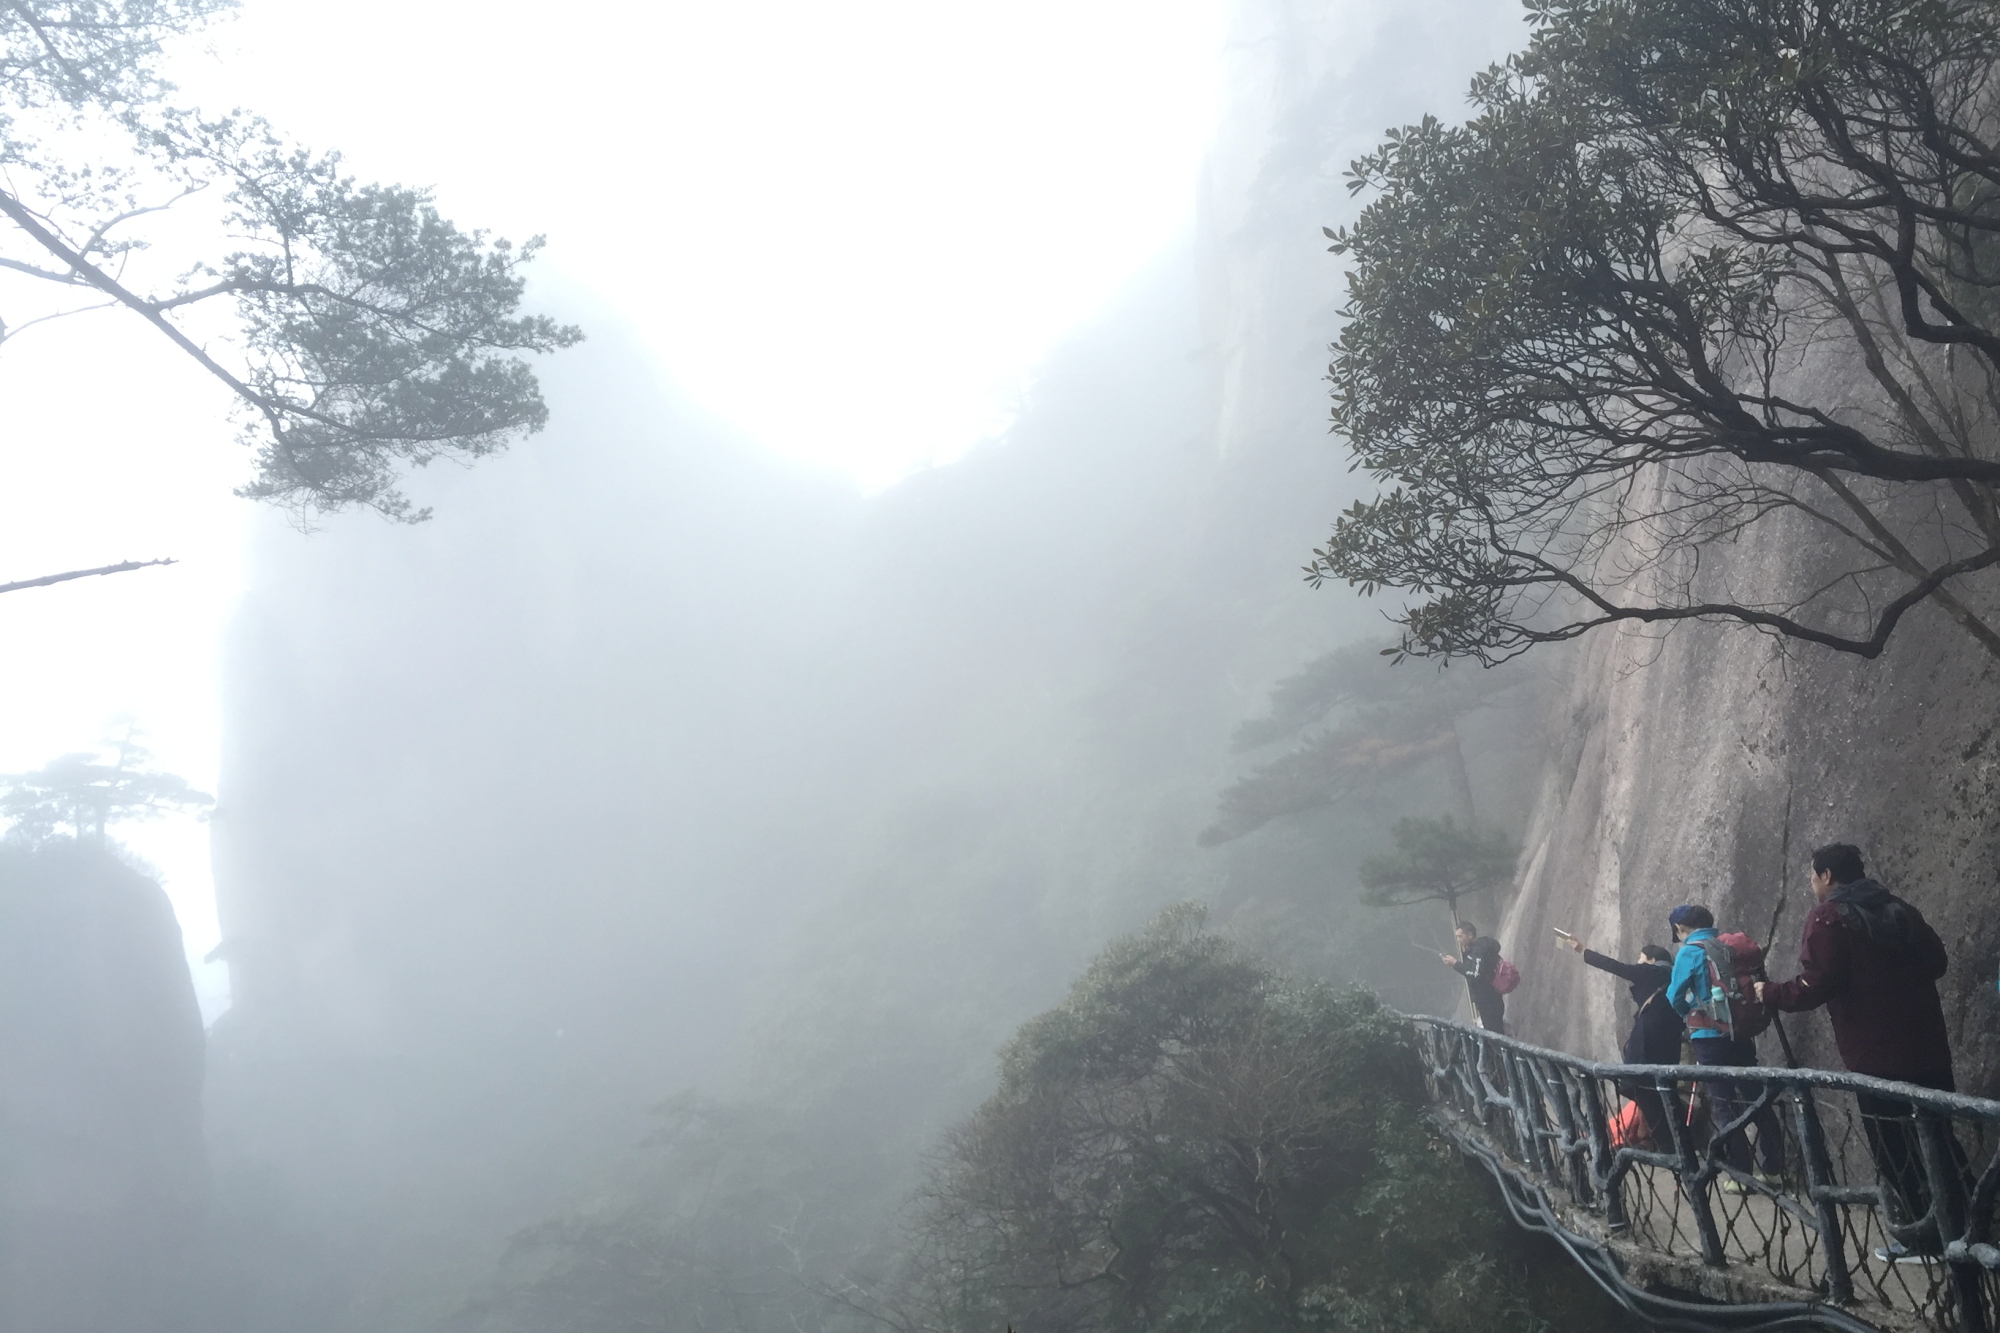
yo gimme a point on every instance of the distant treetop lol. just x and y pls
(87, 792)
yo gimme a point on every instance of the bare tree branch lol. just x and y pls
(1687, 270)
(119, 568)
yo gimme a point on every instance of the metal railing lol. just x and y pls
(1853, 1166)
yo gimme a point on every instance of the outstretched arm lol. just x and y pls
(1632, 972)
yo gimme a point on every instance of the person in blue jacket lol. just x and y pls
(1688, 990)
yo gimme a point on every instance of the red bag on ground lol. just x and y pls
(1628, 1127)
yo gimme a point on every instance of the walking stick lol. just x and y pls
(1777, 1023)
(1771, 936)
(1784, 1042)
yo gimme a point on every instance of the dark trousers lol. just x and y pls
(1728, 1099)
(1492, 1012)
(1653, 1108)
(1895, 1142)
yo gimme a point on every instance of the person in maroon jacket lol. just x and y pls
(1874, 962)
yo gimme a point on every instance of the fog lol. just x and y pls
(771, 736)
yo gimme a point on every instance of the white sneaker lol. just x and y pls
(1895, 1252)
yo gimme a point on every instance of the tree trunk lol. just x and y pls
(1461, 780)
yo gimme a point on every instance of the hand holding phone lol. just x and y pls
(1567, 940)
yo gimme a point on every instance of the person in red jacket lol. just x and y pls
(1874, 962)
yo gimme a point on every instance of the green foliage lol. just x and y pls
(1192, 1142)
(1588, 332)
(90, 51)
(88, 792)
(1438, 860)
(368, 332)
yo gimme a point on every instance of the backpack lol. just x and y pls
(1505, 977)
(1735, 965)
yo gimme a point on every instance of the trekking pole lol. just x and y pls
(1771, 935)
(1778, 1026)
(1784, 1042)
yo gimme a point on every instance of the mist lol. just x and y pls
(675, 826)
(655, 764)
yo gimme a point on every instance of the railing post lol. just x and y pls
(1693, 1188)
(1528, 1095)
(1602, 1154)
(1556, 1080)
(1948, 1205)
(1516, 1112)
(1819, 1181)
(1471, 1077)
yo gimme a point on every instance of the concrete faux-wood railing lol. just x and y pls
(1687, 1242)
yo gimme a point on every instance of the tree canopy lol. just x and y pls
(1438, 860)
(1191, 1142)
(1354, 721)
(1694, 270)
(90, 791)
(359, 330)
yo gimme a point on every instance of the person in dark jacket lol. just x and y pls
(1655, 1038)
(1874, 962)
(1477, 959)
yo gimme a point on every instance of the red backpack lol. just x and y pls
(1731, 1007)
(1505, 977)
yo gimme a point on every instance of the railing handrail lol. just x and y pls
(1895, 1168)
(1957, 1103)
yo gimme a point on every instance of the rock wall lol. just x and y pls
(102, 1174)
(1705, 764)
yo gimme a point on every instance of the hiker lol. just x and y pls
(1478, 961)
(1700, 990)
(1874, 962)
(1655, 1038)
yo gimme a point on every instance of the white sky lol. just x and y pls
(850, 230)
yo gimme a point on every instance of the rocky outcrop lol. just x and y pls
(102, 1173)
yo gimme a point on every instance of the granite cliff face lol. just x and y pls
(102, 1172)
(1705, 765)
